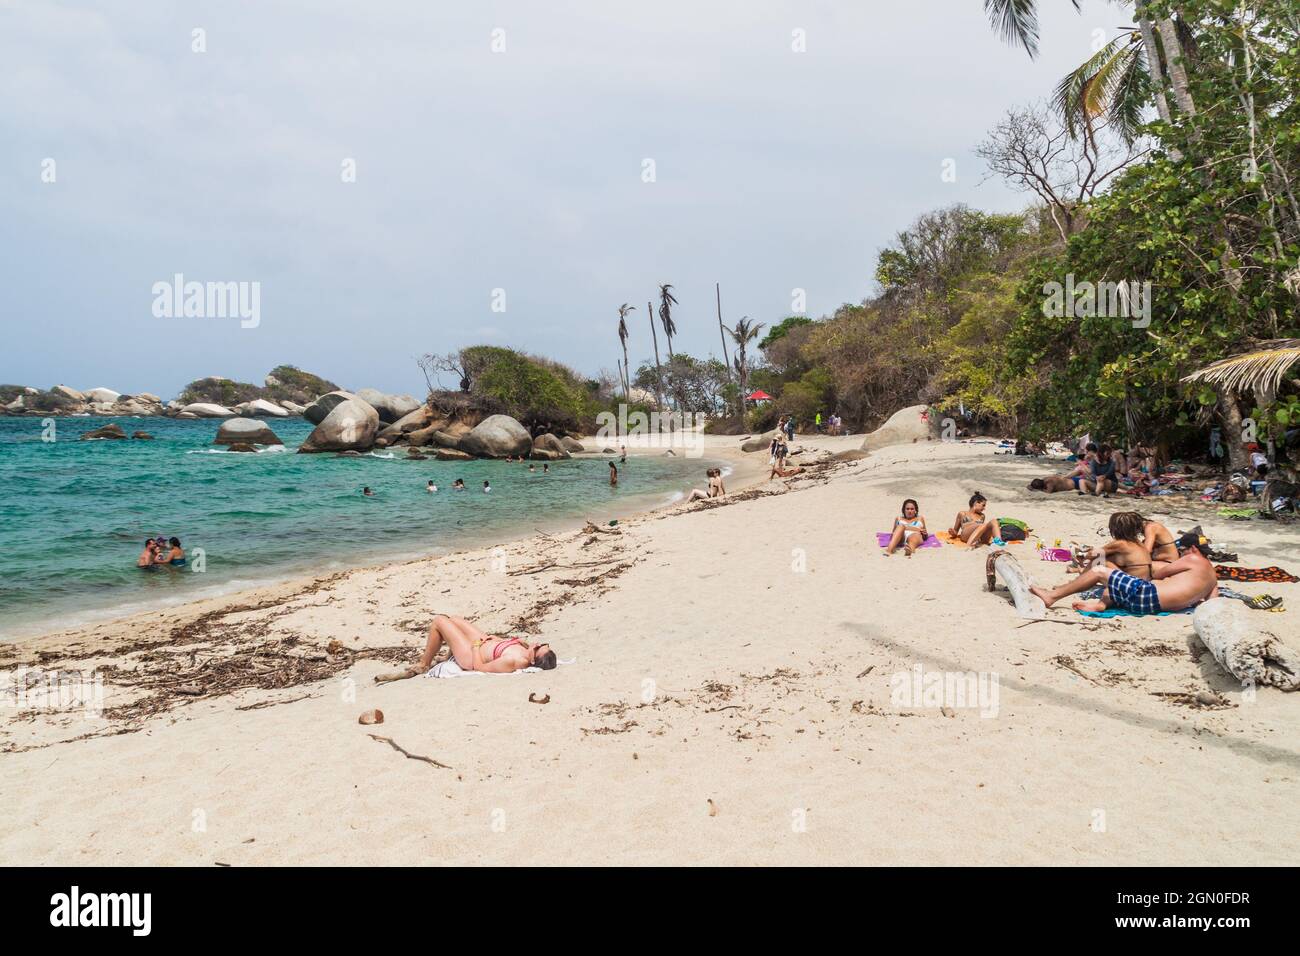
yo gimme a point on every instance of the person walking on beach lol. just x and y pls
(613, 475)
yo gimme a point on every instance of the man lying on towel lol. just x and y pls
(1174, 586)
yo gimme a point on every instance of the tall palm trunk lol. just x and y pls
(1177, 70)
(659, 374)
(722, 331)
(1154, 66)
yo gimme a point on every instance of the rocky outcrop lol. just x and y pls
(245, 431)
(241, 446)
(352, 425)
(319, 410)
(451, 454)
(207, 410)
(916, 423)
(142, 436)
(69, 393)
(105, 395)
(572, 445)
(758, 444)
(113, 430)
(497, 436)
(391, 408)
(552, 447)
(293, 408)
(545, 454)
(417, 420)
(260, 407)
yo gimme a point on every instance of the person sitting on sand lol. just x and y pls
(1083, 469)
(1125, 550)
(1159, 542)
(1181, 584)
(716, 488)
(973, 526)
(475, 651)
(1101, 478)
(909, 530)
(1052, 484)
(149, 556)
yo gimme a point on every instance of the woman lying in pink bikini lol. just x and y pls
(476, 651)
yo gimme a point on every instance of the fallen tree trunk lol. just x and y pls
(1001, 565)
(1242, 648)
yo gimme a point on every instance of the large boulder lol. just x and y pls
(69, 393)
(760, 443)
(148, 398)
(319, 410)
(916, 423)
(546, 454)
(497, 436)
(391, 408)
(451, 454)
(246, 431)
(572, 445)
(106, 395)
(351, 426)
(261, 407)
(112, 430)
(550, 444)
(419, 419)
(207, 410)
(293, 408)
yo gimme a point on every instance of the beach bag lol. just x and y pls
(1011, 533)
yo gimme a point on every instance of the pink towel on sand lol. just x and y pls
(882, 538)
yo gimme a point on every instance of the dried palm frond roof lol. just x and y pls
(1260, 369)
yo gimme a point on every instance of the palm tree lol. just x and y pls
(744, 333)
(1017, 21)
(666, 303)
(1259, 371)
(623, 310)
(659, 372)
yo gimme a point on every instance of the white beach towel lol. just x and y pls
(449, 668)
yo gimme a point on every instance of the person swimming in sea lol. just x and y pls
(367, 492)
(173, 555)
(458, 484)
(486, 486)
(431, 487)
(148, 559)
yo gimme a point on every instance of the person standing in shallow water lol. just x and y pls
(613, 475)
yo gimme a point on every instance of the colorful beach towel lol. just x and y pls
(1093, 594)
(882, 537)
(1271, 574)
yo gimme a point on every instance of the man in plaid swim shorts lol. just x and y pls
(1132, 594)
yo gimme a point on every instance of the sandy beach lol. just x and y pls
(732, 698)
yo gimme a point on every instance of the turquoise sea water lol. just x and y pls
(74, 514)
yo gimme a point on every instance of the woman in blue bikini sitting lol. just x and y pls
(909, 530)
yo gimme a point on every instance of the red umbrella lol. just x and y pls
(760, 396)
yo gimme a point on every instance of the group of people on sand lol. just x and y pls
(972, 527)
(1101, 469)
(161, 552)
(1143, 569)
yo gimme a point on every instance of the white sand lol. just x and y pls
(769, 694)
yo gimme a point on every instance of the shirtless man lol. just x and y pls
(476, 651)
(1175, 586)
(1052, 484)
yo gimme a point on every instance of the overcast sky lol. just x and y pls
(521, 170)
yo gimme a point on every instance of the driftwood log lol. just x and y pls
(1230, 632)
(1001, 565)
